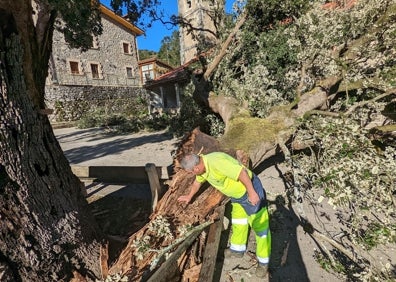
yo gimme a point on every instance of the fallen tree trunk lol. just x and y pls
(250, 138)
(246, 138)
(264, 137)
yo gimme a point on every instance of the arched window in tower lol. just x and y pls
(189, 3)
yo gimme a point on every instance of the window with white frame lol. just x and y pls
(147, 72)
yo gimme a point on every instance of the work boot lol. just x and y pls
(261, 270)
(228, 253)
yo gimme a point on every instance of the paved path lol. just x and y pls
(99, 147)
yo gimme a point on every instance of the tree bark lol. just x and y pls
(47, 232)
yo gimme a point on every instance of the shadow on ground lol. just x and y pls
(94, 143)
(286, 262)
(120, 211)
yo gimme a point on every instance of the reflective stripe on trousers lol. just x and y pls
(259, 222)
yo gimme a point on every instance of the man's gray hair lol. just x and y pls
(189, 161)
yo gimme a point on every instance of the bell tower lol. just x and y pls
(202, 27)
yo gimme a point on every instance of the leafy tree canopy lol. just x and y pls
(170, 49)
(134, 9)
(145, 54)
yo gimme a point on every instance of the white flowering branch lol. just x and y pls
(188, 238)
(362, 103)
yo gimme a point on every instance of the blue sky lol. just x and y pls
(152, 39)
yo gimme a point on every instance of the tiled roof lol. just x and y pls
(179, 74)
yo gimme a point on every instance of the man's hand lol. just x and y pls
(253, 198)
(194, 189)
(185, 198)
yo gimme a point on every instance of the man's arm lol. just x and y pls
(245, 179)
(194, 189)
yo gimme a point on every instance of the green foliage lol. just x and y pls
(162, 227)
(266, 64)
(169, 51)
(142, 246)
(124, 115)
(134, 9)
(263, 14)
(216, 125)
(350, 172)
(192, 115)
(117, 122)
(119, 115)
(157, 121)
(258, 68)
(146, 54)
(376, 233)
(263, 39)
(327, 264)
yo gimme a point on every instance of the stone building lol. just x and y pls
(201, 16)
(107, 70)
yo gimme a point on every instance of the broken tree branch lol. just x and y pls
(362, 103)
(321, 237)
(223, 50)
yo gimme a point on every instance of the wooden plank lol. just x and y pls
(155, 186)
(211, 248)
(80, 171)
(117, 174)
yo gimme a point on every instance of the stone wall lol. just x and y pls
(71, 103)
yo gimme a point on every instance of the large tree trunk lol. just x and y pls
(47, 232)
